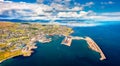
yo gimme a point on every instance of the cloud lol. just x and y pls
(80, 14)
(108, 2)
(110, 16)
(77, 8)
(89, 4)
(53, 12)
(67, 14)
(1, 0)
(58, 1)
(22, 8)
(91, 16)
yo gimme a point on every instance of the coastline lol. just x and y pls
(26, 49)
(27, 34)
(89, 41)
(9, 58)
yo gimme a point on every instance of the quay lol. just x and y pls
(67, 41)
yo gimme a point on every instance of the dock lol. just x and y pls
(95, 47)
(67, 41)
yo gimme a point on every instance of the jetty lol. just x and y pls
(95, 47)
(67, 41)
(77, 38)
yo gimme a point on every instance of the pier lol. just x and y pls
(77, 38)
(67, 41)
(95, 47)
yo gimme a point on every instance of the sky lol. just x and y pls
(60, 10)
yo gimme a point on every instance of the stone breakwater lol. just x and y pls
(95, 47)
(68, 40)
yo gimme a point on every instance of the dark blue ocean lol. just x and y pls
(78, 54)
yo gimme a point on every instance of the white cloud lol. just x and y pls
(111, 14)
(27, 11)
(58, 6)
(105, 18)
(108, 2)
(90, 15)
(36, 9)
(68, 14)
(77, 8)
(1, 0)
(72, 14)
(89, 4)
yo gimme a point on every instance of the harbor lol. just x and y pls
(68, 41)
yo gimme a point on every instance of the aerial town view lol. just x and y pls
(19, 39)
(59, 32)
